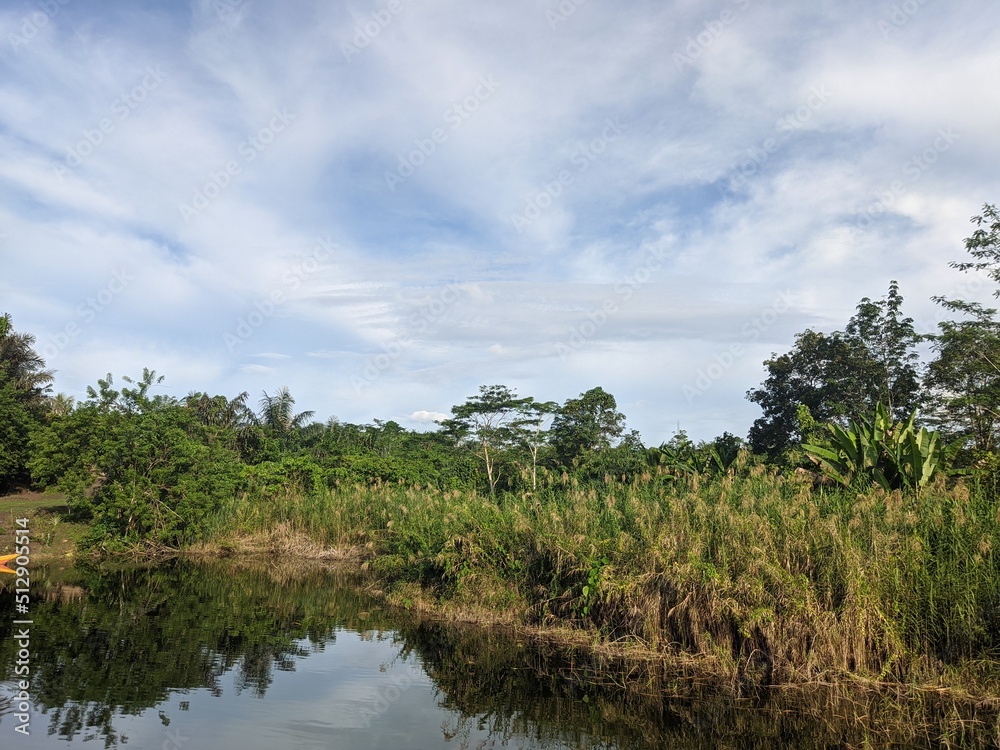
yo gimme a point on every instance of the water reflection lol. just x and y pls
(227, 654)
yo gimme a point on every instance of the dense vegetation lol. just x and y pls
(853, 531)
(111, 644)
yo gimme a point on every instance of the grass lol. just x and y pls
(52, 537)
(760, 577)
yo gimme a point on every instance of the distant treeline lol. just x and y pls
(855, 407)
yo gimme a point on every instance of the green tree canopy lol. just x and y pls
(586, 424)
(21, 365)
(840, 376)
(24, 389)
(963, 381)
(489, 421)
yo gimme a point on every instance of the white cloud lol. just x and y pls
(431, 290)
(424, 417)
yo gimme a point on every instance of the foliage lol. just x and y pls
(24, 387)
(20, 364)
(586, 424)
(841, 376)
(984, 245)
(888, 361)
(492, 421)
(683, 458)
(890, 455)
(759, 572)
(963, 381)
(278, 418)
(16, 424)
(143, 468)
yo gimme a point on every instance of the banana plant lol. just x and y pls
(890, 455)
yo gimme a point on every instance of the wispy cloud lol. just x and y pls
(490, 185)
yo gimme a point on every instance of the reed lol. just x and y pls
(771, 580)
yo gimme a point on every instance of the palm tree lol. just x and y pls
(21, 365)
(218, 411)
(61, 405)
(277, 414)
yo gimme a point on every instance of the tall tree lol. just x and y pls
(840, 376)
(586, 424)
(984, 245)
(964, 379)
(887, 361)
(277, 415)
(24, 388)
(21, 365)
(488, 422)
(818, 373)
(530, 433)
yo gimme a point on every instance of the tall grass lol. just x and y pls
(770, 579)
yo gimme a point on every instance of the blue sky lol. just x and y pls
(384, 205)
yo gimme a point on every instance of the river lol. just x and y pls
(252, 655)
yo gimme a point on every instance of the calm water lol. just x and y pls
(249, 656)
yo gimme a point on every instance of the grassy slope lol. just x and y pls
(52, 537)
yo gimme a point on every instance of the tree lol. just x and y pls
(964, 379)
(818, 373)
(487, 421)
(840, 376)
(230, 421)
(21, 365)
(984, 245)
(888, 363)
(60, 405)
(586, 424)
(277, 415)
(24, 387)
(16, 423)
(529, 432)
(145, 469)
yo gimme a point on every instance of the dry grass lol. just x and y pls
(757, 576)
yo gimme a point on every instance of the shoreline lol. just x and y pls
(974, 681)
(674, 664)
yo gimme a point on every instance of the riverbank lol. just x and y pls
(53, 538)
(759, 579)
(756, 580)
(961, 709)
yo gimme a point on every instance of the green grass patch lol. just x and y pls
(53, 536)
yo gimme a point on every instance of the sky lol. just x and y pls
(385, 205)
